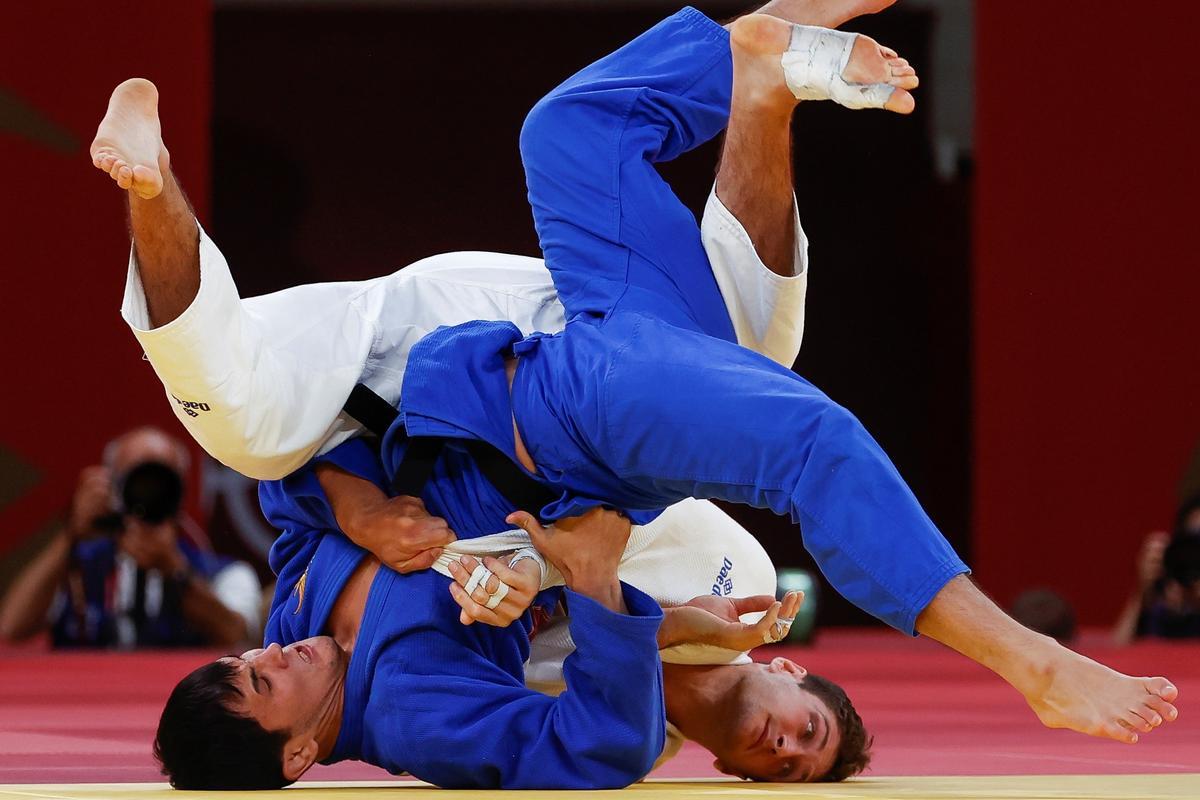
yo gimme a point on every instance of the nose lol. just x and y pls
(782, 746)
(272, 656)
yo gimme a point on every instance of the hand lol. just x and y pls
(92, 499)
(399, 532)
(152, 546)
(523, 583)
(715, 621)
(1150, 559)
(586, 549)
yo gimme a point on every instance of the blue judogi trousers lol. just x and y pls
(644, 399)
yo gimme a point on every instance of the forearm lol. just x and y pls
(1125, 630)
(605, 590)
(349, 496)
(204, 611)
(23, 612)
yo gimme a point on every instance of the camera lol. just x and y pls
(151, 491)
(1181, 561)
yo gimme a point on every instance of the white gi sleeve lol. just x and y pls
(259, 385)
(767, 310)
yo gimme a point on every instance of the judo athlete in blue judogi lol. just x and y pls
(420, 692)
(644, 399)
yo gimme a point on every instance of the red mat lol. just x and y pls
(90, 717)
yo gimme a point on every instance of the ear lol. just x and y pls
(786, 665)
(298, 755)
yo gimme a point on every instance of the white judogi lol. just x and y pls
(260, 382)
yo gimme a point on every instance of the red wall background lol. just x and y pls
(1086, 285)
(72, 373)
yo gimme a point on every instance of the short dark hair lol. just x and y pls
(854, 749)
(203, 744)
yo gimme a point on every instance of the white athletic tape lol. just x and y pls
(530, 554)
(478, 577)
(778, 630)
(501, 593)
(813, 66)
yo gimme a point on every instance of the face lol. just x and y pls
(773, 729)
(290, 688)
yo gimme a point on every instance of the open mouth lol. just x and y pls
(305, 653)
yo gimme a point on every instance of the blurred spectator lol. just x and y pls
(1167, 600)
(1046, 612)
(129, 567)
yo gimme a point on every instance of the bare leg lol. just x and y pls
(755, 180)
(129, 147)
(1065, 689)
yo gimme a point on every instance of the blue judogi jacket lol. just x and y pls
(447, 702)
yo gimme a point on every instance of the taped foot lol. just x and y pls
(852, 70)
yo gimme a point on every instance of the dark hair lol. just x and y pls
(1185, 510)
(203, 744)
(854, 749)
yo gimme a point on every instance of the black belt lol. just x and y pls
(377, 415)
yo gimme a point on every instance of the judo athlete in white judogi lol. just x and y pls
(580, 397)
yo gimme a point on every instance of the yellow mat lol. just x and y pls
(1009, 787)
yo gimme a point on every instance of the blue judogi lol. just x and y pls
(644, 399)
(447, 702)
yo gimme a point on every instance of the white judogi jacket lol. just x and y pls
(260, 382)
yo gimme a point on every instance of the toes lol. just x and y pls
(114, 169)
(1142, 719)
(1121, 732)
(1161, 687)
(901, 102)
(1161, 707)
(887, 52)
(908, 82)
(124, 177)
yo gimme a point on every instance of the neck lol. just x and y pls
(330, 724)
(343, 624)
(694, 695)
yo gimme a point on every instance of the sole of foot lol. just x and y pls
(128, 144)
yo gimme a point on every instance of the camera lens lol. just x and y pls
(152, 491)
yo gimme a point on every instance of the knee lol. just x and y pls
(544, 128)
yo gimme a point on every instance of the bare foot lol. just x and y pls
(1082, 695)
(128, 144)
(826, 13)
(759, 40)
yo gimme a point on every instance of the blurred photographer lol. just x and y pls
(1167, 600)
(129, 568)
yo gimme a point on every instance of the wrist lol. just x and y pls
(605, 591)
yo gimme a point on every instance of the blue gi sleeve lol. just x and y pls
(469, 724)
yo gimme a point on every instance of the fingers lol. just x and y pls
(514, 578)
(757, 602)
(791, 605)
(765, 627)
(473, 611)
(423, 560)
